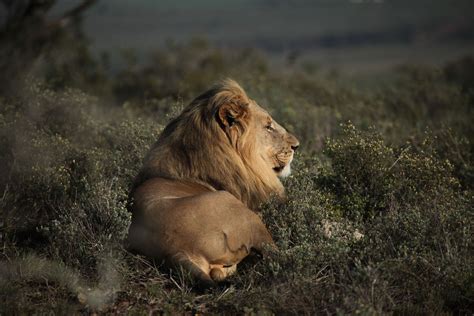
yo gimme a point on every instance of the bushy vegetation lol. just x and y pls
(379, 214)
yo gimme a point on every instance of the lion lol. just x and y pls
(193, 200)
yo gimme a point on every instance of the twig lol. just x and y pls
(399, 157)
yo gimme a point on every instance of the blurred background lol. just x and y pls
(363, 39)
(356, 35)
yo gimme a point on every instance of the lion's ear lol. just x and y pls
(232, 112)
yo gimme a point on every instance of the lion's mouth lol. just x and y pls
(278, 169)
(283, 169)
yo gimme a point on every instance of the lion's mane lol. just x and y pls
(195, 147)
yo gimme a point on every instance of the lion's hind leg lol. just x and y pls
(219, 273)
(206, 273)
(197, 268)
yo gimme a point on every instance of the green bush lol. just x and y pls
(378, 219)
(380, 229)
(184, 70)
(69, 166)
(369, 177)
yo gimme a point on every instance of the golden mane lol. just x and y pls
(194, 147)
(193, 199)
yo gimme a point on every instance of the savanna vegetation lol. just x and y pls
(379, 217)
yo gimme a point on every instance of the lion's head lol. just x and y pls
(225, 140)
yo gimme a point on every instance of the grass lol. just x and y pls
(378, 220)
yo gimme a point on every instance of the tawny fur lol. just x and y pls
(211, 165)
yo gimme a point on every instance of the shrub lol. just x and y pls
(69, 170)
(379, 229)
(370, 177)
(378, 223)
(184, 70)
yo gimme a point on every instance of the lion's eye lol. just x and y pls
(269, 127)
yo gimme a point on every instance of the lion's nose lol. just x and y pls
(294, 142)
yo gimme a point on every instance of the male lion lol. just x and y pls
(211, 165)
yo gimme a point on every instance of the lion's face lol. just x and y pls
(275, 145)
(245, 122)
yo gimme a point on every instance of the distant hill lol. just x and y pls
(277, 26)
